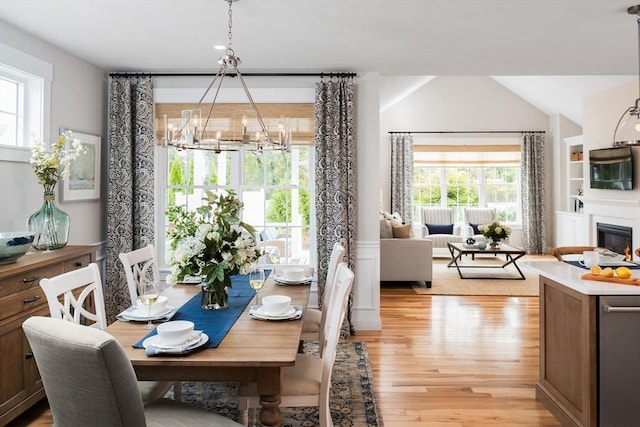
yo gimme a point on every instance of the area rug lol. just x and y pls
(352, 402)
(446, 280)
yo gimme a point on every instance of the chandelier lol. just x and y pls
(628, 128)
(245, 129)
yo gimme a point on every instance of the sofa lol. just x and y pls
(403, 257)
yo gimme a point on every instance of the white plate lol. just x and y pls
(280, 279)
(196, 340)
(258, 312)
(136, 314)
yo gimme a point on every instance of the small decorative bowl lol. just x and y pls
(14, 244)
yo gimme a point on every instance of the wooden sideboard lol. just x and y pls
(20, 298)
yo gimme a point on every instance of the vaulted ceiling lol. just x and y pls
(536, 48)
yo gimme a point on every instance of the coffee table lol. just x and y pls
(512, 254)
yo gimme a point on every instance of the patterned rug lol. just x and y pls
(353, 400)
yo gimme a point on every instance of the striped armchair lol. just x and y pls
(443, 229)
(478, 216)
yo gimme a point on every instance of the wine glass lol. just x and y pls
(256, 280)
(274, 254)
(148, 291)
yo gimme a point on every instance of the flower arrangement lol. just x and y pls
(495, 231)
(51, 167)
(211, 243)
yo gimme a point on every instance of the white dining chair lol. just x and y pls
(314, 319)
(89, 381)
(77, 296)
(308, 382)
(138, 264)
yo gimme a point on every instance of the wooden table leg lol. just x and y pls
(269, 381)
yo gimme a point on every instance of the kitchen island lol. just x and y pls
(589, 347)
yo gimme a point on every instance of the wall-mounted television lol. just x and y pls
(611, 168)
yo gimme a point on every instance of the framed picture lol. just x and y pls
(83, 181)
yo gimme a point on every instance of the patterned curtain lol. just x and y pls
(402, 176)
(336, 204)
(130, 205)
(532, 177)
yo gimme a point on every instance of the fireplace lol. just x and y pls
(616, 238)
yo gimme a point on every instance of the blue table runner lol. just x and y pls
(215, 323)
(577, 264)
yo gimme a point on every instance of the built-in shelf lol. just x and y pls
(575, 173)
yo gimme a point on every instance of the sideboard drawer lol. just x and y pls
(23, 301)
(28, 279)
(75, 263)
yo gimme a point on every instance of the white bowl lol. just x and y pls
(293, 273)
(276, 304)
(175, 332)
(158, 307)
(14, 244)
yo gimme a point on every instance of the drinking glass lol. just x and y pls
(148, 291)
(274, 254)
(256, 280)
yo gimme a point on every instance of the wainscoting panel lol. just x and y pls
(366, 296)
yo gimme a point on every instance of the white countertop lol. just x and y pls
(569, 275)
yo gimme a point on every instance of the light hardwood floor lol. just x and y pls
(447, 361)
(450, 361)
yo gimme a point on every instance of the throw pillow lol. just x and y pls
(386, 231)
(475, 228)
(440, 228)
(401, 231)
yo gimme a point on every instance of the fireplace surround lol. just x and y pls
(623, 213)
(616, 238)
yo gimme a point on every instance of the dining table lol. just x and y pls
(252, 350)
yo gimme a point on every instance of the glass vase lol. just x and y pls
(495, 244)
(50, 224)
(214, 298)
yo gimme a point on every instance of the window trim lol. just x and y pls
(25, 63)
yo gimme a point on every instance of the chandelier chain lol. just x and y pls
(230, 13)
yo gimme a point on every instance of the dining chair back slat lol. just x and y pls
(139, 264)
(73, 295)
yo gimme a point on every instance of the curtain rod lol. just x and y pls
(315, 74)
(467, 131)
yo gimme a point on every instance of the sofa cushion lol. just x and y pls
(440, 228)
(386, 231)
(401, 231)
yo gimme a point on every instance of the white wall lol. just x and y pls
(78, 102)
(601, 113)
(366, 298)
(461, 104)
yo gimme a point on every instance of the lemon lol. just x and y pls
(596, 270)
(623, 272)
(607, 272)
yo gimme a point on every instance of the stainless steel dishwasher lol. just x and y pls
(619, 361)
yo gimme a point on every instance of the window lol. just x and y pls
(275, 186)
(468, 176)
(25, 91)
